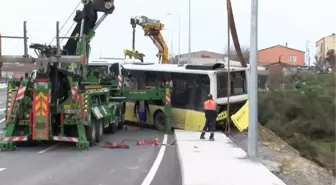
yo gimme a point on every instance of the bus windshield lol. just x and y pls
(100, 69)
(238, 84)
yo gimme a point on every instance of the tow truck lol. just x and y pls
(65, 100)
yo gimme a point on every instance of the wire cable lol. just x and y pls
(66, 21)
(68, 31)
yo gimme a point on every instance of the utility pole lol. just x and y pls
(189, 55)
(179, 36)
(307, 53)
(253, 83)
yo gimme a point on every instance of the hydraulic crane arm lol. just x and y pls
(90, 16)
(152, 28)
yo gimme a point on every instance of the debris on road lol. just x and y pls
(114, 145)
(153, 142)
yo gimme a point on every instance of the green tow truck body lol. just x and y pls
(63, 100)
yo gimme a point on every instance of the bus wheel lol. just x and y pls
(159, 121)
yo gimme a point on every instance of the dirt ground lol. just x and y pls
(284, 161)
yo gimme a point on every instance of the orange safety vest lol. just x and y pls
(209, 105)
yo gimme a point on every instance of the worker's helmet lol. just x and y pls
(209, 96)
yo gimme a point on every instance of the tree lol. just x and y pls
(234, 56)
(331, 58)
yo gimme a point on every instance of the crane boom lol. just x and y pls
(152, 29)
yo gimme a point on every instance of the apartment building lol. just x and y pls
(283, 54)
(324, 45)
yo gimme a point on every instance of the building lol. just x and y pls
(200, 57)
(279, 53)
(324, 45)
(16, 70)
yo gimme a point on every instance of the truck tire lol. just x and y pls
(91, 132)
(112, 128)
(159, 121)
(121, 122)
(100, 130)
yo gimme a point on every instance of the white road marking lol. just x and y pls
(2, 169)
(1, 131)
(150, 176)
(49, 148)
(3, 119)
(1, 110)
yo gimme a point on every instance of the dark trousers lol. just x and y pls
(210, 125)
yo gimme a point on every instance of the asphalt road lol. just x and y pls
(49, 164)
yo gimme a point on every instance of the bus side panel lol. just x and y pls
(194, 120)
(178, 115)
(129, 113)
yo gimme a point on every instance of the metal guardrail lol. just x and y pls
(25, 58)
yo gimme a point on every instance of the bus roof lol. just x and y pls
(175, 68)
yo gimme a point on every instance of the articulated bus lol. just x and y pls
(191, 85)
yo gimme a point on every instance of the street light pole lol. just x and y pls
(179, 40)
(179, 36)
(189, 49)
(253, 83)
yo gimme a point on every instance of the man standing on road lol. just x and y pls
(142, 108)
(210, 117)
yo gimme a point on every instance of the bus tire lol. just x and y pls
(159, 121)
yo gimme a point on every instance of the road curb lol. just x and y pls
(179, 158)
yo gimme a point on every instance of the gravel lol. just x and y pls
(284, 161)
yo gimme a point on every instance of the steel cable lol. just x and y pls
(66, 21)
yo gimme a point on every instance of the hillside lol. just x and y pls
(304, 118)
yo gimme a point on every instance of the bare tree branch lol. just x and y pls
(235, 57)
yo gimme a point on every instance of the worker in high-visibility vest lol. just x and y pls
(210, 111)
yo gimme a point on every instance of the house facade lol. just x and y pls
(283, 54)
(324, 45)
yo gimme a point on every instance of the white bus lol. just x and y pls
(191, 85)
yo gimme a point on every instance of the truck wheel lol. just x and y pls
(121, 122)
(112, 128)
(91, 132)
(100, 130)
(159, 121)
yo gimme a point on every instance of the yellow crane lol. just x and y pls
(152, 29)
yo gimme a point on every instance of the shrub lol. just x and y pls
(304, 118)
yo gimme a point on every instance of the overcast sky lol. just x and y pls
(280, 21)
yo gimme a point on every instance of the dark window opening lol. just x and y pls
(237, 84)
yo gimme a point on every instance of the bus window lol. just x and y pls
(189, 90)
(154, 78)
(102, 70)
(238, 83)
(114, 69)
(221, 85)
(202, 89)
